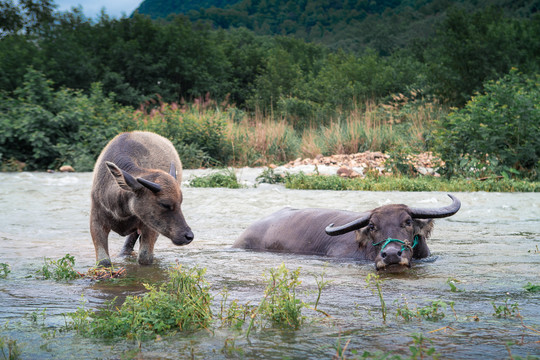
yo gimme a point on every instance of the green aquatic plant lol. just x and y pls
(506, 309)
(61, 269)
(420, 349)
(433, 311)
(374, 282)
(234, 314)
(279, 306)
(404, 311)
(9, 349)
(321, 284)
(225, 178)
(452, 283)
(4, 270)
(180, 304)
(531, 287)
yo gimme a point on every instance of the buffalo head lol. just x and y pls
(392, 235)
(156, 200)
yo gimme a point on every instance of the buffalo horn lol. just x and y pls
(438, 212)
(353, 225)
(155, 188)
(172, 170)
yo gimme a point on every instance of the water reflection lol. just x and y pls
(488, 247)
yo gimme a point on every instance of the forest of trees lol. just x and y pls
(136, 60)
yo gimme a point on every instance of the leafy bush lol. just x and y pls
(497, 133)
(45, 128)
(197, 132)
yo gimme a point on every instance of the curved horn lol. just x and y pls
(155, 188)
(343, 229)
(438, 212)
(172, 170)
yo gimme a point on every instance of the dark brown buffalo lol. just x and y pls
(389, 235)
(136, 193)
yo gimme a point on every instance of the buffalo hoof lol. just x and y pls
(127, 252)
(146, 258)
(104, 263)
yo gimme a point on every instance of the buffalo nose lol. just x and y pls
(189, 235)
(391, 256)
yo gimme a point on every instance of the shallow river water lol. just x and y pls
(490, 248)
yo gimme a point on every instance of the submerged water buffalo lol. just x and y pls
(136, 193)
(390, 235)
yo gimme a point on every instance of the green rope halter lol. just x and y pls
(403, 247)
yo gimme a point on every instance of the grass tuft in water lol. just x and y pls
(506, 309)
(280, 307)
(9, 349)
(374, 282)
(530, 287)
(433, 311)
(225, 178)
(421, 348)
(4, 270)
(61, 269)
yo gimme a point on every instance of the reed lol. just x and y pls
(259, 141)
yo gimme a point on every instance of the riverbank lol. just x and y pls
(367, 171)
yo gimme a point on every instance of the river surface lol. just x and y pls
(490, 249)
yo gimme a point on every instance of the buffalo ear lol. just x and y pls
(172, 170)
(123, 179)
(423, 227)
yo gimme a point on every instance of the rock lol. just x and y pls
(66, 168)
(346, 172)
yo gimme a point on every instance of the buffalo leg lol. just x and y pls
(100, 237)
(131, 239)
(146, 246)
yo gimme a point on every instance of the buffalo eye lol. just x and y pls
(166, 206)
(408, 222)
(371, 227)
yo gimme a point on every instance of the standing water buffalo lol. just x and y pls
(136, 193)
(390, 235)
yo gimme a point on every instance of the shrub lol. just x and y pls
(497, 133)
(197, 132)
(45, 128)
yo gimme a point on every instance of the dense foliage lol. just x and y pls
(68, 84)
(497, 132)
(352, 25)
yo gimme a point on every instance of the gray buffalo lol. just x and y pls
(390, 235)
(136, 193)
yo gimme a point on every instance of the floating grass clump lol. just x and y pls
(226, 178)
(388, 183)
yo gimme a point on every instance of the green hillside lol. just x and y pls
(162, 8)
(384, 25)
